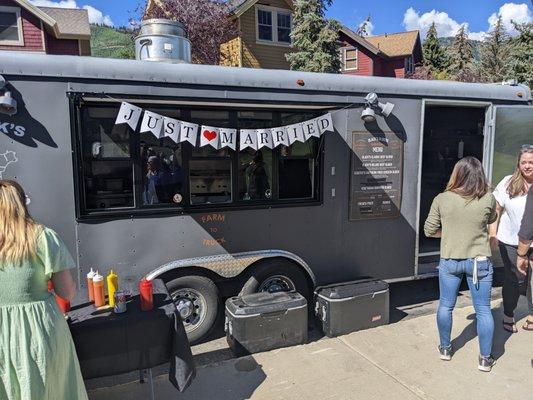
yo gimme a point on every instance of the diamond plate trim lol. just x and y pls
(230, 265)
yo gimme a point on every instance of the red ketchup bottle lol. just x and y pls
(63, 304)
(146, 294)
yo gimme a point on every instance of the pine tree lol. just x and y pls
(315, 38)
(461, 57)
(521, 55)
(435, 57)
(495, 53)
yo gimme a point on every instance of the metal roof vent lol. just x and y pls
(162, 40)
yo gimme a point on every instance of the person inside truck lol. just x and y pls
(460, 216)
(258, 184)
(37, 355)
(511, 194)
(159, 181)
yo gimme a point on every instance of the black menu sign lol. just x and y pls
(376, 175)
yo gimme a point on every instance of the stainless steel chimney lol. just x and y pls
(162, 40)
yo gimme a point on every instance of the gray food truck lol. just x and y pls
(332, 208)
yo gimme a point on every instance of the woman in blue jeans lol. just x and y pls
(460, 217)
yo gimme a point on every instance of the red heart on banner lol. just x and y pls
(209, 135)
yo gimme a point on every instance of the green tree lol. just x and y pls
(435, 57)
(521, 55)
(315, 38)
(461, 51)
(495, 53)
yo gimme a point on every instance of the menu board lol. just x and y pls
(376, 175)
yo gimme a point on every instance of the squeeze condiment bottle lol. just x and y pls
(112, 286)
(146, 294)
(90, 288)
(99, 296)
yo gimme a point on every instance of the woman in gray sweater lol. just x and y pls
(460, 216)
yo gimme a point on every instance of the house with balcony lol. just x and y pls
(26, 27)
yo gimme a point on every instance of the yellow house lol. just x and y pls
(264, 33)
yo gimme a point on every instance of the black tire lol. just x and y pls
(203, 294)
(261, 273)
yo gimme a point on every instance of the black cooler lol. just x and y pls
(265, 321)
(351, 306)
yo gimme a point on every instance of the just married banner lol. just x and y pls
(205, 135)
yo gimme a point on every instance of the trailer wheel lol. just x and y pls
(276, 276)
(197, 301)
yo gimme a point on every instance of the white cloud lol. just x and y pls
(447, 26)
(95, 16)
(519, 13)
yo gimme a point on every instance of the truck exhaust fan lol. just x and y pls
(162, 40)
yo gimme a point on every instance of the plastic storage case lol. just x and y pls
(265, 321)
(352, 306)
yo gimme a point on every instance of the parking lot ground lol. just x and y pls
(396, 361)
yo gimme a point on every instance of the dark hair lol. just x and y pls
(468, 179)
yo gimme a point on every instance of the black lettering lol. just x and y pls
(150, 119)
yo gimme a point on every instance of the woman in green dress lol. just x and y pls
(37, 356)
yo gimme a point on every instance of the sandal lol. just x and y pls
(528, 325)
(511, 327)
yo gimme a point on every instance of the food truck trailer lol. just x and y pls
(216, 221)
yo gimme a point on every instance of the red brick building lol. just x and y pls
(393, 55)
(25, 27)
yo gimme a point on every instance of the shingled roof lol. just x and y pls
(63, 23)
(70, 21)
(395, 44)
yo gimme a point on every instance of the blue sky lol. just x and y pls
(386, 15)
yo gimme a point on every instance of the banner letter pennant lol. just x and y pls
(188, 132)
(248, 138)
(280, 136)
(152, 122)
(264, 138)
(325, 124)
(296, 133)
(228, 138)
(171, 128)
(129, 114)
(311, 128)
(210, 135)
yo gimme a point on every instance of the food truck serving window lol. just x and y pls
(124, 171)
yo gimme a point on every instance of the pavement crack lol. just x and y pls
(423, 396)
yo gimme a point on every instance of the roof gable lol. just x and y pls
(64, 23)
(395, 44)
(239, 7)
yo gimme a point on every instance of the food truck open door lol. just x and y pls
(511, 127)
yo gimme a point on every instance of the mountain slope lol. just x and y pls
(112, 42)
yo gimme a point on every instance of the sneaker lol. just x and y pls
(445, 353)
(486, 363)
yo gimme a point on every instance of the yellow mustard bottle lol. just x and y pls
(112, 287)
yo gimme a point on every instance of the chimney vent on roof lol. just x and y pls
(162, 40)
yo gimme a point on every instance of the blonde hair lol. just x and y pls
(468, 179)
(517, 183)
(18, 230)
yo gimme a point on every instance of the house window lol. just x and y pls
(122, 172)
(409, 65)
(10, 26)
(273, 25)
(348, 58)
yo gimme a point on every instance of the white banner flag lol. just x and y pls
(264, 138)
(188, 132)
(296, 133)
(311, 128)
(171, 128)
(228, 138)
(248, 138)
(152, 122)
(325, 124)
(129, 114)
(210, 135)
(280, 136)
